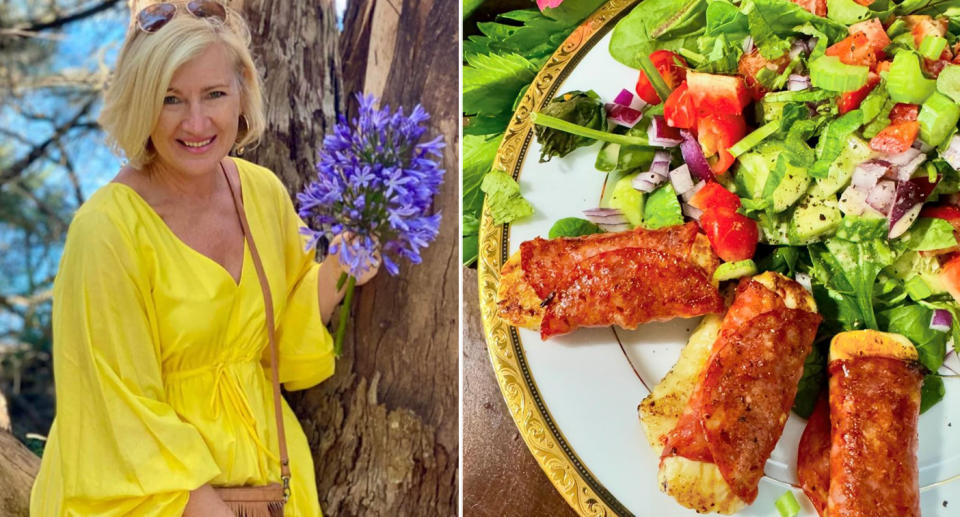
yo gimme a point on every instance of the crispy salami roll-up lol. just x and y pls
(813, 455)
(874, 407)
(738, 401)
(669, 272)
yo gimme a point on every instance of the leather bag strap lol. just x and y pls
(271, 333)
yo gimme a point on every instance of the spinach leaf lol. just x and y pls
(931, 392)
(662, 208)
(572, 227)
(657, 24)
(783, 260)
(913, 321)
(813, 380)
(773, 20)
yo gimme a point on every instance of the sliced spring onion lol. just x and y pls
(569, 127)
(905, 80)
(656, 80)
(755, 137)
(787, 505)
(932, 46)
(829, 73)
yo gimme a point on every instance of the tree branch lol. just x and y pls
(38, 150)
(60, 21)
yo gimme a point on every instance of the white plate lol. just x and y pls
(575, 397)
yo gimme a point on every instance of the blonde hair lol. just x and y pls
(147, 62)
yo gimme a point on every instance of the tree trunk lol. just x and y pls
(384, 429)
(18, 468)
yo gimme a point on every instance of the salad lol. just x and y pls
(814, 138)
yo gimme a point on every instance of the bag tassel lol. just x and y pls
(248, 509)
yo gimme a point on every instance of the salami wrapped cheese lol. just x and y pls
(713, 458)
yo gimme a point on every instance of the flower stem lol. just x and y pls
(344, 314)
(569, 127)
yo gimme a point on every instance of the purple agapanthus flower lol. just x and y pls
(376, 180)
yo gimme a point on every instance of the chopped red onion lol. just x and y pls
(922, 146)
(661, 135)
(605, 216)
(804, 280)
(688, 195)
(880, 197)
(619, 227)
(681, 180)
(951, 361)
(693, 155)
(811, 44)
(902, 158)
(798, 47)
(748, 44)
(907, 204)
(866, 174)
(853, 201)
(661, 163)
(622, 115)
(905, 171)
(941, 320)
(798, 82)
(952, 153)
(624, 98)
(691, 211)
(649, 177)
(643, 186)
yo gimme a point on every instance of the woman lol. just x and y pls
(158, 315)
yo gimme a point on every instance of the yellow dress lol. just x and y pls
(161, 360)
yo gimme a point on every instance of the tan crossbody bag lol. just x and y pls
(267, 500)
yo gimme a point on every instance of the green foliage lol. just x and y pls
(572, 227)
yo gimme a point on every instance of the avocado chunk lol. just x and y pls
(841, 170)
(814, 217)
(754, 168)
(628, 200)
(731, 270)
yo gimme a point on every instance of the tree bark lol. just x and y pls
(18, 468)
(384, 429)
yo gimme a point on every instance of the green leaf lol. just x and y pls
(572, 227)
(931, 392)
(503, 198)
(834, 140)
(929, 233)
(775, 20)
(478, 155)
(913, 321)
(470, 241)
(573, 12)
(662, 208)
(469, 6)
(491, 82)
(657, 24)
(813, 380)
(774, 178)
(783, 260)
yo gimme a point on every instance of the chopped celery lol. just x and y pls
(937, 117)
(829, 73)
(847, 12)
(897, 28)
(948, 82)
(562, 125)
(787, 505)
(755, 137)
(932, 46)
(906, 82)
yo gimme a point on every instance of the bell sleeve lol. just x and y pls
(305, 345)
(122, 448)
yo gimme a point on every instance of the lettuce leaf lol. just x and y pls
(503, 198)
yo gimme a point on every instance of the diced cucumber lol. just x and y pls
(731, 270)
(814, 217)
(754, 167)
(841, 170)
(607, 157)
(628, 200)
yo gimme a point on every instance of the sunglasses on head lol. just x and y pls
(153, 17)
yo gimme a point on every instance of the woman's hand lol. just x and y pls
(204, 502)
(330, 272)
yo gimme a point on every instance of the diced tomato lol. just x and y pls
(671, 67)
(850, 101)
(948, 213)
(922, 25)
(864, 2)
(714, 94)
(933, 67)
(732, 236)
(896, 138)
(678, 110)
(855, 49)
(750, 64)
(950, 276)
(713, 196)
(902, 112)
(883, 66)
(876, 36)
(817, 7)
(716, 133)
